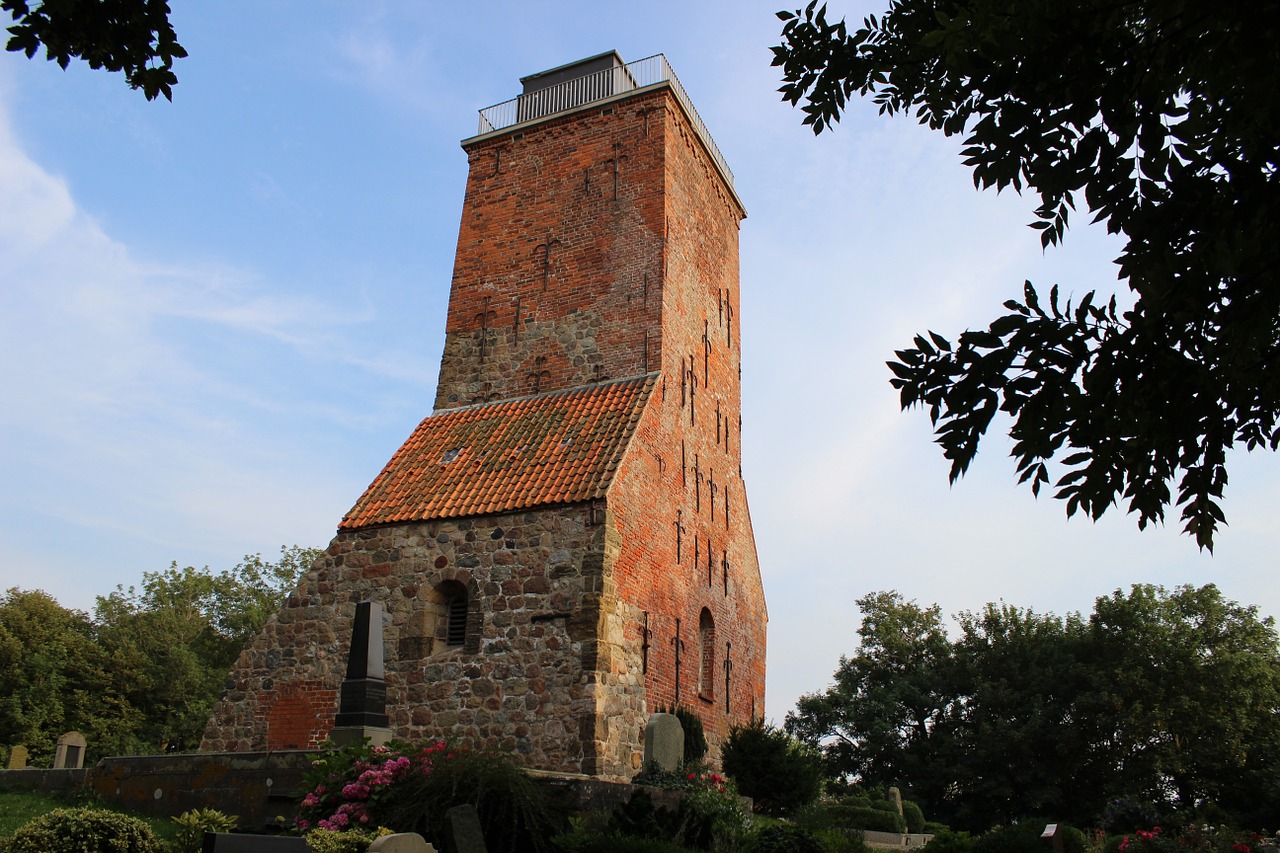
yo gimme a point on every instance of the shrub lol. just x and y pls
(779, 773)
(409, 788)
(1125, 814)
(784, 838)
(912, 816)
(851, 815)
(710, 816)
(343, 841)
(193, 824)
(1025, 835)
(946, 841)
(581, 841)
(85, 831)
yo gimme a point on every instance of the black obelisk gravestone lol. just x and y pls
(362, 703)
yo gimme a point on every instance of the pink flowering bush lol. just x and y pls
(409, 787)
(347, 785)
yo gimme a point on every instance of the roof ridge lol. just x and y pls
(576, 389)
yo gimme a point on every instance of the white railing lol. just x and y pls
(588, 89)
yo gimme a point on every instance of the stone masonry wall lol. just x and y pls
(518, 684)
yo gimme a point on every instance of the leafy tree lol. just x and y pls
(1186, 692)
(1166, 698)
(877, 720)
(1017, 682)
(55, 678)
(143, 673)
(133, 36)
(184, 629)
(1159, 117)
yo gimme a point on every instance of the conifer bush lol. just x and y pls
(778, 772)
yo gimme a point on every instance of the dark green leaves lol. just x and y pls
(133, 36)
(1163, 121)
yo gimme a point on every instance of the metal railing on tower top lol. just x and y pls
(581, 91)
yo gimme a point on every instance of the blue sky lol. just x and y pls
(219, 317)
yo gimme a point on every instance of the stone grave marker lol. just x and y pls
(70, 752)
(239, 842)
(18, 758)
(362, 702)
(462, 830)
(401, 842)
(664, 742)
(896, 797)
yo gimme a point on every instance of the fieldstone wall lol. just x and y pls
(522, 681)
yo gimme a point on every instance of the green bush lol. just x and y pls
(1025, 835)
(840, 841)
(779, 773)
(784, 838)
(408, 788)
(710, 815)
(342, 841)
(946, 841)
(515, 813)
(193, 824)
(85, 831)
(850, 815)
(599, 842)
(913, 816)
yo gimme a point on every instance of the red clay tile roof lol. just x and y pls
(561, 447)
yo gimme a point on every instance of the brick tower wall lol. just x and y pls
(680, 539)
(557, 276)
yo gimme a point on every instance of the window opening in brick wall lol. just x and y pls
(707, 654)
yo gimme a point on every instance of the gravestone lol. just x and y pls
(70, 752)
(462, 830)
(401, 842)
(895, 796)
(664, 742)
(240, 842)
(362, 703)
(18, 758)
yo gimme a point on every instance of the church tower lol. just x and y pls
(564, 545)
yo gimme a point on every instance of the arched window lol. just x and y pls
(707, 655)
(456, 616)
(447, 613)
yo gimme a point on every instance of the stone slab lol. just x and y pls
(401, 842)
(462, 832)
(236, 842)
(664, 742)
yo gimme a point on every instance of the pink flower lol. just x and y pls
(310, 801)
(1124, 845)
(304, 824)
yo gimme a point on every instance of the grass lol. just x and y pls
(19, 807)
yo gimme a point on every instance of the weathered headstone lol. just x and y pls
(401, 842)
(362, 703)
(895, 796)
(70, 752)
(240, 842)
(664, 742)
(18, 758)
(462, 830)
